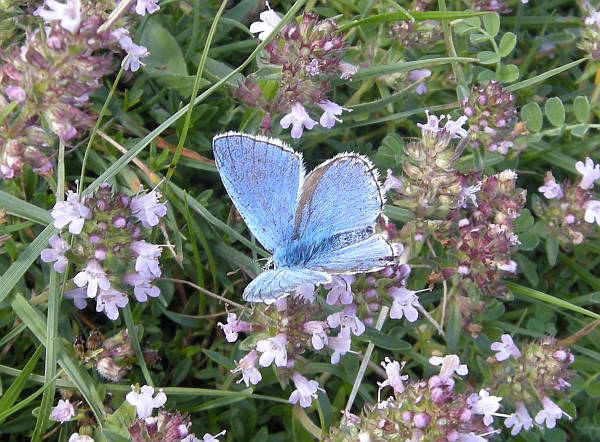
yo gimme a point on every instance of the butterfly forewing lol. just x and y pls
(262, 176)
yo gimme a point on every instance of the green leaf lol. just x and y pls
(486, 75)
(581, 107)
(580, 130)
(531, 113)
(507, 44)
(491, 23)
(383, 340)
(508, 73)
(552, 248)
(555, 111)
(479, 38)
(165, 53)
(488, 57)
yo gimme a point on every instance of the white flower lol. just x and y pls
(146, 5)
(273, 349)
(552, 190)
(404, 304)
(340, 346)
(134, 53)
(298, 118)
(94, 277)
(592, 211)
(549, 414)
(69, 13)
(450, 365)
(146, 262)
(392, 370)
(506, 348)
(76, 437)
(63, 411)
(317, 329)
(56, 254)
(485, 404)
(589, 171)
(141, 286)
(79, 297)
(519, 419)
(144, 402)
(391, 182)
(305, 391)
(330, 110)
(148, 209)
(347, 321)
(109, 300)
(70, 212)
(269, 19)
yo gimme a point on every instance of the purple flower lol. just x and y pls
(144, 402)
(317, 329)
(269, 19)
(70, 212)
(404, 304)
(395, 379)
(108, 300)
(69, 13)
(549, 414)
(148, 209)
(417, 75)
(146, 262)
(592, 211)
(347, 321)
(305, 391)
(94, 277)
(589, 171)
(56, 253)
(15, 93)
(340, 346)
(146, 5)
(391, 182)
(79, 297)
(63, 411)
(485, 404)
(298, 118)
(273, 349)
(340, 289)
(506, 348)
(519, 420)
(305, 292)
(233, 327)
(330, 110)
(134, 53)
(250, 374)
(552, 189)
(141, 286)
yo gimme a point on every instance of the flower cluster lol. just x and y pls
(166, 426)
(47, 79)
(420, 34)
(427, 409)
(308, 54)
(114, 358)
(491, 116)
(590, 34)
(498, 6)
(529, 379)
(569, 210)
(108, 247)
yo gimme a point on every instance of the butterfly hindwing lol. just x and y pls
(262, 176)
(271, 284)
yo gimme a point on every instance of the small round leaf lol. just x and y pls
(532, 115)
(555, 111)
(581, 107)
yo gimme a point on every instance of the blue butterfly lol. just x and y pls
(315, 226)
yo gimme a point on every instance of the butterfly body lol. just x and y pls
(316, 225)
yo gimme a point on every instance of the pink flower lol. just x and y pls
(141, 286)
(450, 365)
(592, 211)
(317, 329)
(340, 289)
(404, 304)
(340, 346)
(549, 414)
(269, 19)
(134, 53)
(63, 412)
(347, 321)
(232, 327)
(56, 254)
(506, 349)
(146, 262)
(330, 110)
(417, 75)
(250, 374)
(391, 182)
(589, 171)
(305, 391)
(69, 13)
(298, 118)
(15, 93)
(273, 349)
(146, 5)
(552, 190)
(144, 402)
(485, 404)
